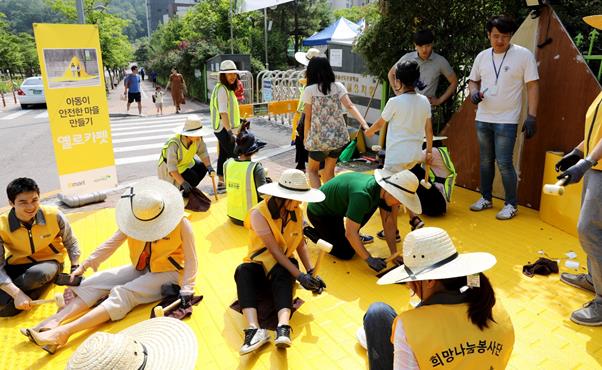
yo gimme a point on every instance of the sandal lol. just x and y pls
(416, 223)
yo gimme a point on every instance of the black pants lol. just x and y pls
(252, 283)
(332, 229)
(226, 150)
(195, 174)
(32, 278)
(301, 154)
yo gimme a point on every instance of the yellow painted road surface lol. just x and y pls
(324, 328)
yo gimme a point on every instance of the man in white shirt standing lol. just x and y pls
(496, 85)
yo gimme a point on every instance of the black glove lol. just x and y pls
(529, 126)
(232, 137)
(309, 282)
(73, 268)
(569, 160)
(376, 264)
(210, 171)
(185, 300)
(476, 97)
(186, 187)
(321, 284)
(574, 174)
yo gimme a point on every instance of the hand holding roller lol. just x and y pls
(58, 300)
(160, 311)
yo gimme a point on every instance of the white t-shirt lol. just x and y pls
(222, 106)
(403, 356)
(407, 115)
(515, 70)
(336, 88)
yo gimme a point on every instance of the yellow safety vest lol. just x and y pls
(41, 243)
(233, 110)
(185, 156)
(593, 128)
(450, 180)
(241, 188)
(288, 239)
(166, 254)
(443, 335)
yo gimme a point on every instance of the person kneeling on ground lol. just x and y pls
(150, 216)
(184, 159)
(36, 238)
(276, 232)
(457, 309)
(242, 177)
(351, 200)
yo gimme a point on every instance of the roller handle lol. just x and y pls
(318, 263)
(160, 311)
(425, 182)
(38, 302)
(214, 186)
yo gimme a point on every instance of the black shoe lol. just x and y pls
(416, 223)
(283, 336)
(381, 235)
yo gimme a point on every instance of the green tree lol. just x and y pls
(20, 15)
(368, 12)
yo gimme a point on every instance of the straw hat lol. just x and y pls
(292, 185)
(430, 254)
(162, 343)
(194, 127)
(402, 185)
(594, 21)
(228, 66)
(149, 210)
(304, 57)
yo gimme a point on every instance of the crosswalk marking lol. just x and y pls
(143, 127)
(141, 132)
(44, 114)
(132, 148)
(163, 137)
(15, 115)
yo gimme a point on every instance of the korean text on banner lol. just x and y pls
(71, 65)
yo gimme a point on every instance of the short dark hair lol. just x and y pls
(408, 72)
(503, 23)
(134, 67)
(224, 81)
(320, 72)
(424, 37)
(21, 185)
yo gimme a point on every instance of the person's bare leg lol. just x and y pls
(313, 168)
(139, 107)
(127, 110)
(61, 334)
(284, 315)
(250, 315)
(328, 171)
(72, 310)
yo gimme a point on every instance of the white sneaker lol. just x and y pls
(481, 204)
(360, 334)
(254, 338)
(507, 212)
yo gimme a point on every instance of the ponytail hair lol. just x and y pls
(480, 300)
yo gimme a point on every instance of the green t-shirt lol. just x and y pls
(353, 195)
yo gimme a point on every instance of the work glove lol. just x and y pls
(185, 300)
(569, 160)
(376, 264)
(232, 136)
(309, 282)
(476, 97)
(574, 173)
(529, 128)
(186, 187)
(211, 171)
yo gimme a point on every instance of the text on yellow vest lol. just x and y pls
(240, 186)
(288, 239)
(233, 109)
(41, 243)
(166, 254)
(185, 155)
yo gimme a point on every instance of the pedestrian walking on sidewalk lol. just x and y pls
(158, 100)
(132, 89)
(178, 88)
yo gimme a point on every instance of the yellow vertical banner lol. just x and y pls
(71, 65)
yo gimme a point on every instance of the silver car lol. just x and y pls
(31, 92)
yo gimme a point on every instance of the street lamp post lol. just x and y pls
(79, 4)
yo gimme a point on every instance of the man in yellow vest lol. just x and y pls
(458, 324)
(242, 177)
(33, 242)
(584, 161)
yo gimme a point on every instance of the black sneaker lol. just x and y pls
(366, 239)
(381, 235)
(254, 338)
(283, 336)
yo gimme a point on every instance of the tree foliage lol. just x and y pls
(368, 12)
(17, 51)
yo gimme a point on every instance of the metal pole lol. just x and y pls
(231, 31)
(265, 40)
(79, 4)
(148, 31)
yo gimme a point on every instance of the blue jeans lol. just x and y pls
(496, 142)
(378, 322)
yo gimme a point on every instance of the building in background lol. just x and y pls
(160, 11)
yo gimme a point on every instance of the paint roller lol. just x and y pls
(555, 189)
(58, 299)
(323, 245)
(160, 311)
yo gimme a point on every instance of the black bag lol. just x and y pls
(154, 100)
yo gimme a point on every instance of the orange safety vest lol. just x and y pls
(166, 254)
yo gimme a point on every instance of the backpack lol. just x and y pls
(328, 130)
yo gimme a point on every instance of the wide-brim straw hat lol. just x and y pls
(430, 254)
(193, 126)
(304, 57)
(401, 185)
(594, 21)
(161, 343)
(228, 66)
(293, 185)
(149, 210)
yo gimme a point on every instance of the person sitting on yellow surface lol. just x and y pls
(184, 159)
(36, 239)
(276, 232)
(150, 216)
(458, 322)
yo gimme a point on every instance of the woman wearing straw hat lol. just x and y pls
(351, 200)
(457, 324)
(276, 232)
(184, 159)
(225, 115)
(150, 216)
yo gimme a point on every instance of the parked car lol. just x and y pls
(31, 92)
